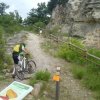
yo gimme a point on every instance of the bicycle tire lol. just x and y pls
(31, 66)
(19, 73)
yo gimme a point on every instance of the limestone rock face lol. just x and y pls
(78, 17)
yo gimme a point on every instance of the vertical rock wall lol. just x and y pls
(79, 17)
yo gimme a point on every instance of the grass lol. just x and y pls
(40, 76)
(87, 72)
(78, 72)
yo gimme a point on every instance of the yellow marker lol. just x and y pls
(56, 78)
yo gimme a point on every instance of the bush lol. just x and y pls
(66, 53)
(38, 25)
(33, 81)
(42, 75)
(39, 76)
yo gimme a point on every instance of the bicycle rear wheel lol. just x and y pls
(19, 72)
(31, 66)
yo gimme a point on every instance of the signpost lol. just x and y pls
(56, 78)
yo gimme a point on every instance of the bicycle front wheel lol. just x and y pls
(31, 66)
(19, 72)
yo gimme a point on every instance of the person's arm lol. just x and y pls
(25, 50)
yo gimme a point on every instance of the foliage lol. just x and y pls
(63, 2)
(87, 72)
(9, 24)
(53, 3)
(95, 52)
(2, 49)
(3, 7)
(38, 25)
(42, 75)
(54, 30)
(78, 72)
(65, 52)
(33, 81)
(40, 14)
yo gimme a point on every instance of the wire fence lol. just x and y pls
(82, 52)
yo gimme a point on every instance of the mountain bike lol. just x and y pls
(25, 65)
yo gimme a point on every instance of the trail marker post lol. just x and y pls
(56, 78)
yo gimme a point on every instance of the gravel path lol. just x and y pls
(70, 88)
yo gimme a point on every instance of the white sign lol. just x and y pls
(19, 90)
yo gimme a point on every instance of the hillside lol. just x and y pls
(79, 18)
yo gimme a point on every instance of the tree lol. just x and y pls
(41, 10)
(18, 17)
(51, 5)
(62, 2)
(38, 15)
(3, 7)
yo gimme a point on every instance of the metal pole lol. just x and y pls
(57, 90)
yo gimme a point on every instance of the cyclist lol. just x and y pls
(17, 50)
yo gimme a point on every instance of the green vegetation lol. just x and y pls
(9, 25)
(40, 76)
(43, 75)
(95, 52)
(39, 14)
(86, 71)
(2, 49)
(53, 3)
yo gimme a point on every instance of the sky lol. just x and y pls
(22, 6)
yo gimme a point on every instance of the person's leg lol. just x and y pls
(15, 58)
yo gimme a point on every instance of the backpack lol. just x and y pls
(16, 48)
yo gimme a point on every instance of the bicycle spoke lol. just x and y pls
(31, 66)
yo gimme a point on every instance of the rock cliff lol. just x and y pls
(79, 18)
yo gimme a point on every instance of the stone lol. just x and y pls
(36, 90)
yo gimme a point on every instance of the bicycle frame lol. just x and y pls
(22, 62)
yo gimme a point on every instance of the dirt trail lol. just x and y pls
(70, 88)
(42, 60)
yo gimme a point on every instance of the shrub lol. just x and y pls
(33, 81)
(42, 75)
(39, 76)
(66, 53)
